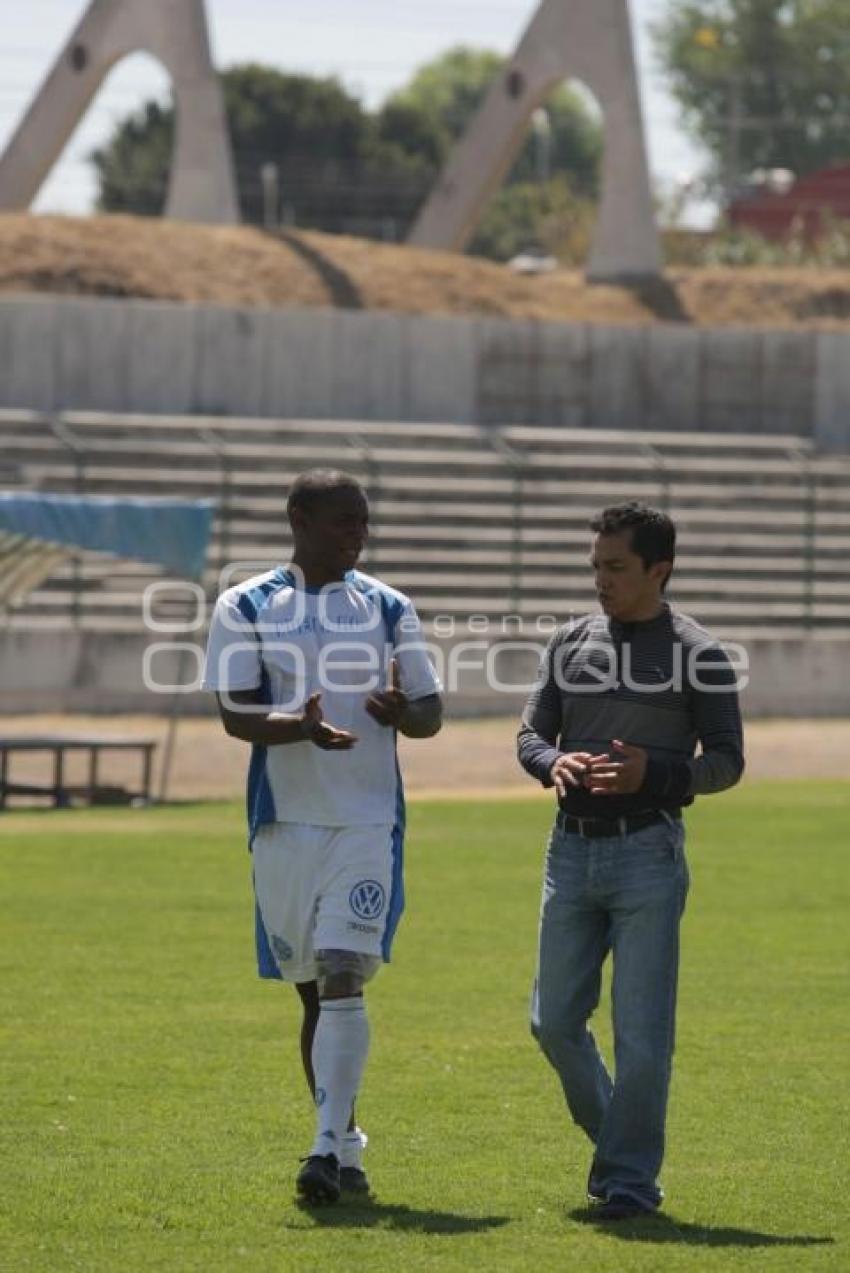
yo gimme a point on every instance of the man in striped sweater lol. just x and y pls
(622, 701)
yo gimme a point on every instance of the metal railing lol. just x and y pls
(65, 437)
(815, 512)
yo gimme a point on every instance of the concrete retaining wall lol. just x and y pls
(94, 672)
(340, 364)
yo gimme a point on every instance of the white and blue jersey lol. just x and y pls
(289, 641)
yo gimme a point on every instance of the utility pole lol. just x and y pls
(735, 124)
(270, 182)
(541, 126)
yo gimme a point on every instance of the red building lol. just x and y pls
(811, 205)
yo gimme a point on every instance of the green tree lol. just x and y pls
(342, 169)
(312, 129)
(319, 136)
(444, 95)
(132, 168)
(762, 83)
(549, 215)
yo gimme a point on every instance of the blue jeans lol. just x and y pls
(623, 894)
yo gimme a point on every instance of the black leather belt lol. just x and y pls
(598, 828)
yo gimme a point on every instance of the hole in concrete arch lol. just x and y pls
(546, 208)
(515, 84)
(79, 57)
(587, 97)
(72, 187)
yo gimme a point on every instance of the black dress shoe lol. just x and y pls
(620, 1207)
(594, 1199)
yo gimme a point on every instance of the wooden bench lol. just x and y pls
(60, 792)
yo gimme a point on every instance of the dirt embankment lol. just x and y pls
(166, 260)
(472, 758)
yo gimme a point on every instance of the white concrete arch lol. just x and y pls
(201, 182)
(587, 40)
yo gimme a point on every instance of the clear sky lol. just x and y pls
(372, 46)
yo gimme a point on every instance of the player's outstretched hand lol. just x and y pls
(621, 777)
(315, 728)
(387, 706)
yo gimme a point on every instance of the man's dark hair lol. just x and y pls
(310, 489)
(653, 534)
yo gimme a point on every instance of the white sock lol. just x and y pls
(351, 1150)
(340, 1047)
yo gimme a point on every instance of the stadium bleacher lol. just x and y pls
(470, 520)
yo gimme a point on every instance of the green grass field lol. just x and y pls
(153, 1109)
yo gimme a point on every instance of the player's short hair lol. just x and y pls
(310, 489)
(653, 533)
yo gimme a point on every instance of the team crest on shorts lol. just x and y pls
(281, 948)
(367, 899)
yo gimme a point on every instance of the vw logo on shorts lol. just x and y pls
(366, 899)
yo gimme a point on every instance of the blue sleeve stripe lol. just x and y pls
(250, 603)
(392, 605)
(391, 608)
(247, 605)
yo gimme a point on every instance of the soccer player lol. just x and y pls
(621, 701)
(318, 666)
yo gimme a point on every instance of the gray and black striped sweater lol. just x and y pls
(664, 684)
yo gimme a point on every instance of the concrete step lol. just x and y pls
(259, 428)
(531, 435)
(48, 605)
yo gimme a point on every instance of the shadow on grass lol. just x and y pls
(369, 1213)
(664, 1228)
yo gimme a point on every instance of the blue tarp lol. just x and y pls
(38, 531)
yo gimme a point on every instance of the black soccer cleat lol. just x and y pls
(353, 1180)
(318, 1179)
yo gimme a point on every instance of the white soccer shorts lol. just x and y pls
(323, 888)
